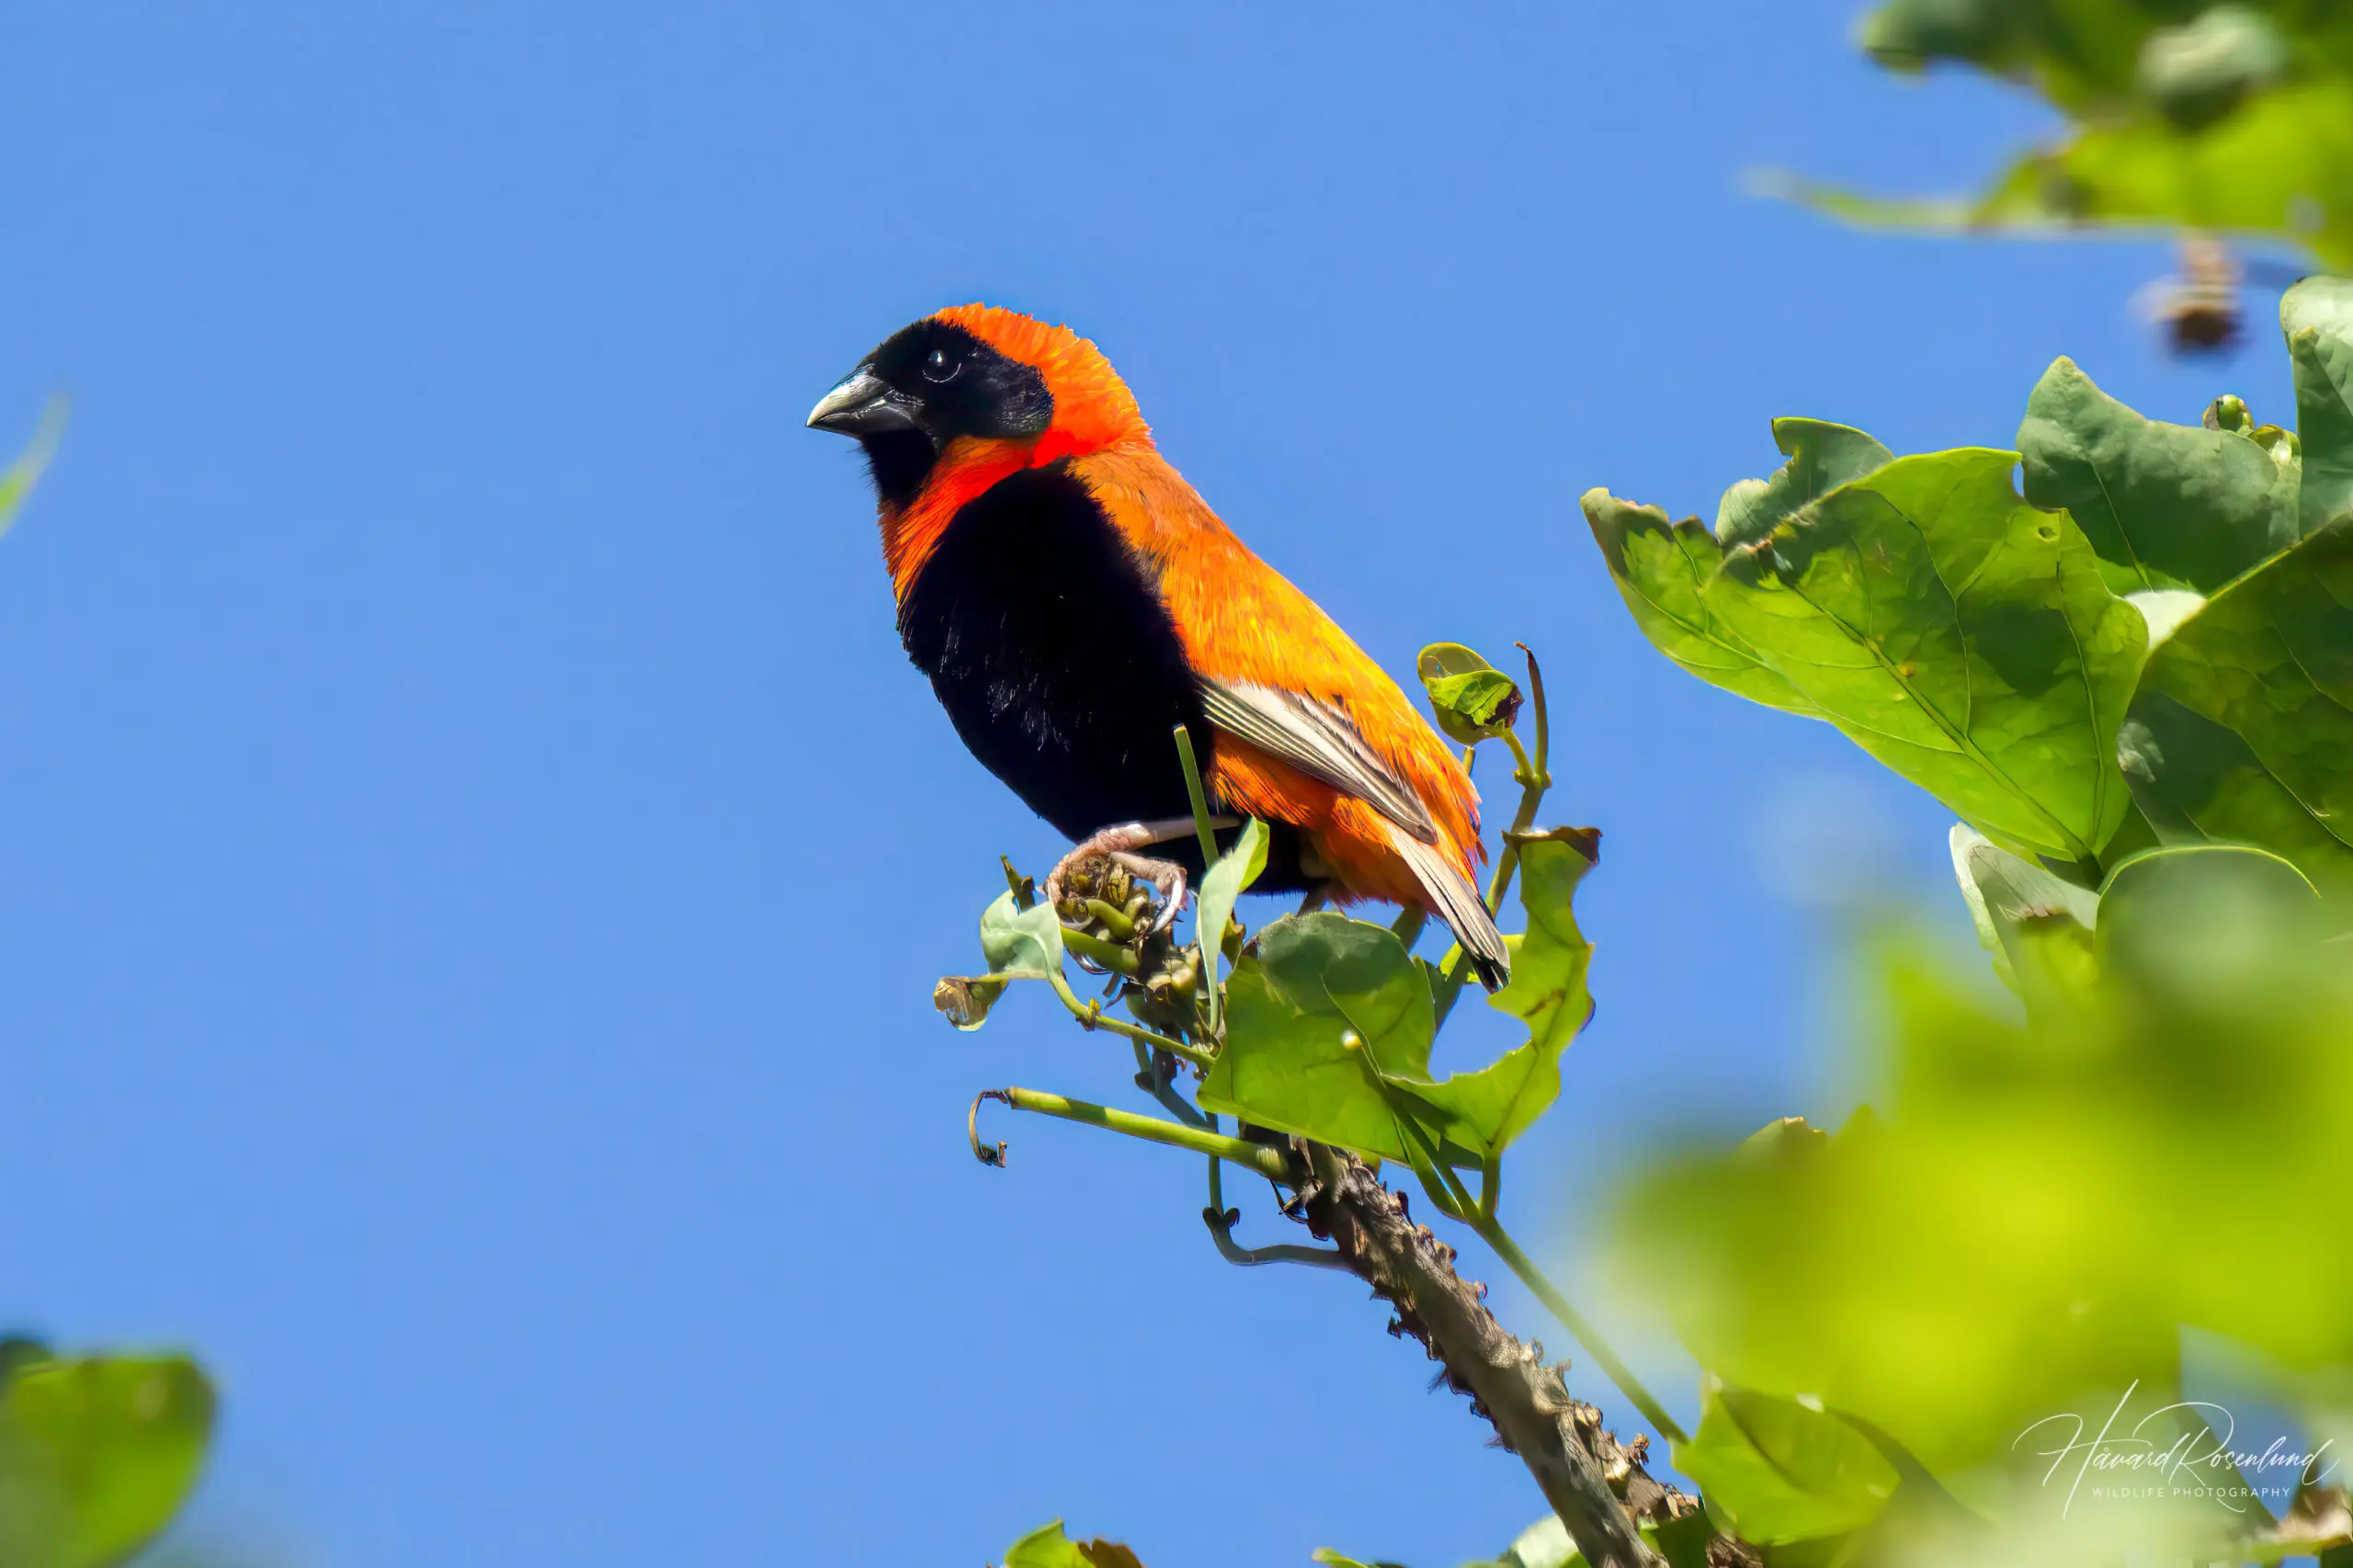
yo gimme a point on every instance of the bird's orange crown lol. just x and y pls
(1093, 408)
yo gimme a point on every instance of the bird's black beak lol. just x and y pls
(863, 404)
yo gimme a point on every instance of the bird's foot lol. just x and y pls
(1119, 844)
(1167, 878)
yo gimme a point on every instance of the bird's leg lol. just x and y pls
(1318, 895)
(1120, 843)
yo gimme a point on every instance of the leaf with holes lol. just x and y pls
(2164, 506)
(1486, 1110)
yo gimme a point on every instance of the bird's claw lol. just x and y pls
(1167, 878)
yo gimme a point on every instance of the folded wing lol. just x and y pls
(1319, 740)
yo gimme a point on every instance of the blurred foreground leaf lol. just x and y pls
(2228, 118)
(2042, 1207)
(96, 1454)
(1779, 1471)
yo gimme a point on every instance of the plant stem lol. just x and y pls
(1543, 718)
(1199, 797)
(1115, 921)
(1090, 1014)
(1268, 1162)
(1492, 1232)
(1220, 1222)
(1096, 950)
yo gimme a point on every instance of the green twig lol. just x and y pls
(1492, 1232)
(1523, 771)
(1543, 719)
(1099, 952)
(1090, 1014)
(1200, 799)
(1221, 1220)
(1268, 1162)
(1153, 1080)
(1115, 921)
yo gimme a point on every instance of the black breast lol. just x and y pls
(1049, 645)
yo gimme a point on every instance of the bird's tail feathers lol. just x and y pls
(1456, 900)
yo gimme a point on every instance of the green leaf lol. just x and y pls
(1473, 700)
(1660, 568)
(1329, 1026)
(1780, 1470)
(1221, 885)
(2243, 726)
(1486, 1110)
(1475, 697)
(2317, 316)
(1960, 636)
(1314, 1020)
(1021, 944)
(2021, 911)
(1821, 456)
(2162, 505)
(96, 1454)
(1048, 1547)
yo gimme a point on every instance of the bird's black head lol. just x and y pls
(925, 386)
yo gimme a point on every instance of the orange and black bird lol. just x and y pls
(1074, 600)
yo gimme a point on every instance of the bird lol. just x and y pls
(1073, 600)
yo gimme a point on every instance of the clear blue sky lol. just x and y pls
(473, 857)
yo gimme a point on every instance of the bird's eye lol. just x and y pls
(939, 367)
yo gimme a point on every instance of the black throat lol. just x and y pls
(899, 460)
